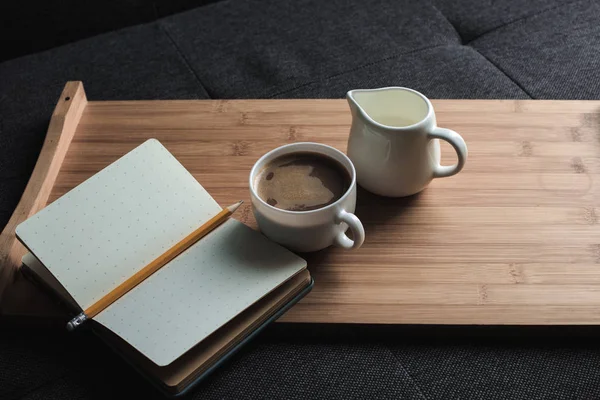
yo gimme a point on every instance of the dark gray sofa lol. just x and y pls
(540, 49)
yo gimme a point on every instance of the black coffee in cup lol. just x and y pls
(302, 181)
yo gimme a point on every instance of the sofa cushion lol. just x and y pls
(305, 49)
(67, 21)
(262, 48)
(552, 55)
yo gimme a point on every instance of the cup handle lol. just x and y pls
(358, 232)
(456, 141)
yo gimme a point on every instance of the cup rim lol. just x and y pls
(423, 121)
(254, 172)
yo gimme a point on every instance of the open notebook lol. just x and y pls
(100, 233)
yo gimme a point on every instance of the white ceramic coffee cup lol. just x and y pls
(394, 141)
(306, 231)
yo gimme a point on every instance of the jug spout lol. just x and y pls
(356, 101)
(366, 105)
(355, 107)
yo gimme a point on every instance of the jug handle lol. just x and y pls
(459, 145)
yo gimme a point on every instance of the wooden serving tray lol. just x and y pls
(513, 239)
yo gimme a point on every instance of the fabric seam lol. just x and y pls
(358, 68)
(412, 380)
(504, 73)
(185, 60)
(462, 41)
(525, 17)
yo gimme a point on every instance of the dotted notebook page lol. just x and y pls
(100, 233)
(199, 291)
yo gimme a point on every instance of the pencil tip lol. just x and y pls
(235, 206)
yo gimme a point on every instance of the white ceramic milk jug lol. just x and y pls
(394, 141)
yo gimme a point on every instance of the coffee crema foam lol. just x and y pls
(302, 182)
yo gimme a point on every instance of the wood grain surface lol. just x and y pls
(512, 239)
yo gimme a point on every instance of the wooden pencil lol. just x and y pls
(153, 266)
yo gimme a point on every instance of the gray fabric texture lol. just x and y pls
(304, 49)
(284, 47)
(475, 18)
(441, 72)
(286, 363)
(561, 62)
